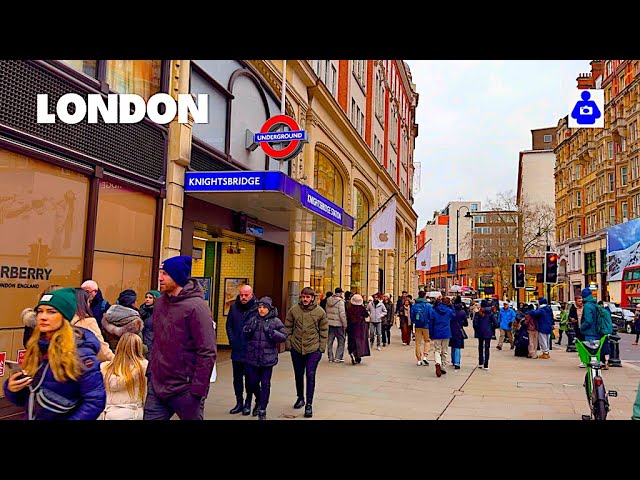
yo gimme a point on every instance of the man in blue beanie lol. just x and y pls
(184, 346)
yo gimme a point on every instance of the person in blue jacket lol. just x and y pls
(61, 377)
(420, 314)
(507, 316)
(440, 333)
(543, 315)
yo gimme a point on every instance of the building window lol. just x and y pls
(625, 212)
(353, 111)
(590, 263)
(612, 216)
(88, 67)
(360, 250)
(334, 80)
(43, 215)
(361, 124)
(610, 150)
(611, 183)
(327, 63)
(547, 139)
(623, 176)
(326, 242)
(124, 239)
(578, 199)
(141, 77)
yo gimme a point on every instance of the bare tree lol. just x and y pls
(514, 231)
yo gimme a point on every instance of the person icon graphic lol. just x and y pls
(586, 111)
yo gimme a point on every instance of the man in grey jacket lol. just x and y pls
(376, 310)
(337, 316)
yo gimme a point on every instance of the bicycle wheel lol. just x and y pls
(600, 410)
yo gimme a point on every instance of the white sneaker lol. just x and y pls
(339, 360)
(480, 366)
(485, 368)
(425, 362)
(419, 363)
(378, 347)
(582, 365)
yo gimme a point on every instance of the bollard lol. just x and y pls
(614, 348)
(571, 339)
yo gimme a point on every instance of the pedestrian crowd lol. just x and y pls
(88, 359)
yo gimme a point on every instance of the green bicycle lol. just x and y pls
(597, 395)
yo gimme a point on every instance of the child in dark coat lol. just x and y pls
(263, 331)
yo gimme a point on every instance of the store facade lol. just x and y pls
(78, 201)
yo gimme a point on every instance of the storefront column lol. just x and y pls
(347, 246)
(178, 158)
(374, 271)
(389, 272)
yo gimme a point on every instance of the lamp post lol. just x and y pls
(547, 249)
(467, 215)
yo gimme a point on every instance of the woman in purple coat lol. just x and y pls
(357, 329)
(483, 325)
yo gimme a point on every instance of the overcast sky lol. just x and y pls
(474, 118)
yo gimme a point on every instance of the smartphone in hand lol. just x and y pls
(15, 368)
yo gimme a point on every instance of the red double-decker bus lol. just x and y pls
(630, 288)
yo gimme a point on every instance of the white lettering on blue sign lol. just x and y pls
(223, 182)
(324, 207)
(279, 136)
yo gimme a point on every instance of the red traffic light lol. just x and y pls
(552, 258)
(521, 268)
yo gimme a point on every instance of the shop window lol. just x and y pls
(87, 67)
(43, 211)
(360, 250)
(124, 240)
(326, 241)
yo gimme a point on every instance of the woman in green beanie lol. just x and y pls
(61, 376)
(146, 311)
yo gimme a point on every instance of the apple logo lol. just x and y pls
(424, 263)
(384, 236)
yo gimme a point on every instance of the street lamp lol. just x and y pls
(467, 215)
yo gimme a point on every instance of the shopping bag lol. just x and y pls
(214, 374)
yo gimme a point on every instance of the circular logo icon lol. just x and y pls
(295, 139)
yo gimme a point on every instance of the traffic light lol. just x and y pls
(519, 275)
(550, 267)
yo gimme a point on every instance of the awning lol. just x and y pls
(271, 197)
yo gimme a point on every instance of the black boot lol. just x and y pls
(246, 410)
(308, 411)
(255, 411)
(262, 414)
(299, 403)
(237, 408)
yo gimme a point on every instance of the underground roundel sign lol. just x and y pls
(293, 139)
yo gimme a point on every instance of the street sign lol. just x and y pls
(295, 138)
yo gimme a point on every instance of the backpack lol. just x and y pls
(604, 326)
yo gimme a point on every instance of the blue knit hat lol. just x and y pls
(585, 292)
(178, 268)
(542, 301)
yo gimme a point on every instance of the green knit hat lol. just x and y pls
(155, 293)
(63, 300)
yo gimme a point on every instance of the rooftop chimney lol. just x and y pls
(585, 81)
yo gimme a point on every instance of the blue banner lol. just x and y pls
(451, 263)
(271, 181)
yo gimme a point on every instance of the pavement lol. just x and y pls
(389, 385)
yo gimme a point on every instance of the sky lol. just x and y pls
(474, 118)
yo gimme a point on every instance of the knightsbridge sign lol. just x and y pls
(123, 108)
(272, 181)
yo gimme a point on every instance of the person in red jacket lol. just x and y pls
(184, 346)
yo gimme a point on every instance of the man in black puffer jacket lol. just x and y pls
(238, 313)
(263, 331)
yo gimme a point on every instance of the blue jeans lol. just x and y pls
(375, 329)
(455, 356)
